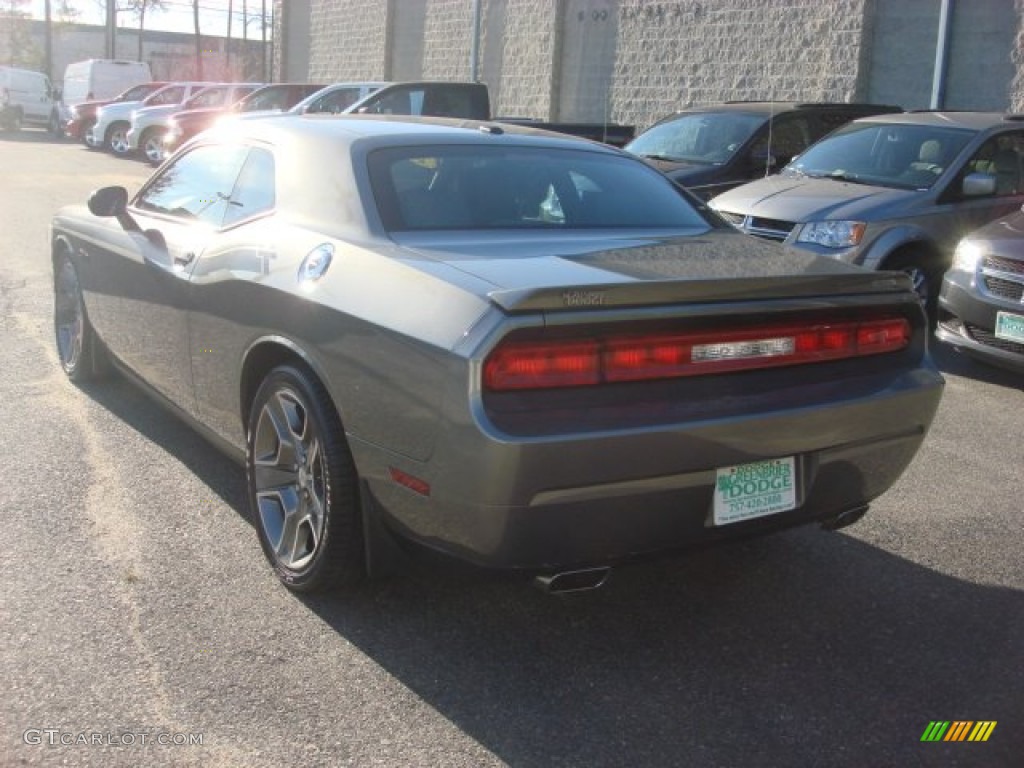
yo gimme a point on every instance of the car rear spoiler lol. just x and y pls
(689, 291)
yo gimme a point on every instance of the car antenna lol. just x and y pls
(771, 126)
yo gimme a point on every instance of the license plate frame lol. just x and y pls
(1010, 327)
(758, 489)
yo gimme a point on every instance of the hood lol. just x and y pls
(800, 199)
(1003, 237)
(543, 272)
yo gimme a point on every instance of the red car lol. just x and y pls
(83, 115)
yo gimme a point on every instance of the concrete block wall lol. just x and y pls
(634, 61)
(348, 40)
(518, 47)
(676, 54)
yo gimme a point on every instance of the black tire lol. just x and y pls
(925, 276)
(116, 139)
(151, 146)
(302, 484)
(80, 351)
(13, 121)
(54, 126)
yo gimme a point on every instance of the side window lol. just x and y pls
(254, 191)
(336, 101)
(397, 101)
(790, 137)
(1000, 157)
(268, 98)
(168, 96)
(197, 186)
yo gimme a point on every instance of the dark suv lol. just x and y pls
(712, 149)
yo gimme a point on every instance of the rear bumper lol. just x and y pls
(557, 503)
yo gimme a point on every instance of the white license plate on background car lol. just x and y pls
(1010, 326)
(754, 490)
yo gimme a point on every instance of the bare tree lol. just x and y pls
(19, 50)
(227, 43)
(140, 8)
(199, 40)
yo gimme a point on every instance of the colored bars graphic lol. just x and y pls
(958, 730)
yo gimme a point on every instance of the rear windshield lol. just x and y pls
(483, 187)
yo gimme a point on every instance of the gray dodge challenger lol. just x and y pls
(526, 351)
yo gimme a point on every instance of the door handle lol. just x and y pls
(184, 259)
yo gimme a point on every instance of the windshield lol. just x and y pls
(884, 155)
(479, 188)
(708, 138)
(137, 93)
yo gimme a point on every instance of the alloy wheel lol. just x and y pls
(290, 479)
(69, 317)
(119, 141)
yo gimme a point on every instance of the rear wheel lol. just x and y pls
(117, 138)
(13, 121)
(302, 482)
(81, 353)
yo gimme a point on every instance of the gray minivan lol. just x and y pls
(890, 191)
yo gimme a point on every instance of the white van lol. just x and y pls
(101, 79)
(27, 98)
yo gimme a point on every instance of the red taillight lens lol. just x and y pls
(516, 365)
(618, 358)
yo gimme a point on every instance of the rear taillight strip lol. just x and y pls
(518, 365)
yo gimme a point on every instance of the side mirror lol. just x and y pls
(112, 201)
(979, 184)
(108, 201)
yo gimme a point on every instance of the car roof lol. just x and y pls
(347, 129)
(776, 107)
(974, 121)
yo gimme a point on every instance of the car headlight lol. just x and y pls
(833, 234)
(966, 256)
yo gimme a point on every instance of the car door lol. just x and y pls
(179, 213)
(1000, 157)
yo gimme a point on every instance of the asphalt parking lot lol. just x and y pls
(140, 624)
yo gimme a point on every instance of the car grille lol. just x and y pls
(1003, 289)
(768, 229)
(989, 339)
(1007, 266)
(1003, 278)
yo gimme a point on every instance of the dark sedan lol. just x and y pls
(404, 343)
(981, 307)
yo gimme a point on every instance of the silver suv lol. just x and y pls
(890, 191)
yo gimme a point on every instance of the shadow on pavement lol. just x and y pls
(803, 648)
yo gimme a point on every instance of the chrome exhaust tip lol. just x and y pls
(580, 580)
(845, 518)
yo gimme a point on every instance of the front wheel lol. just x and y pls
(925, 278)
(81, 353)
(117, 138)
(152, 145)
(302, 483)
